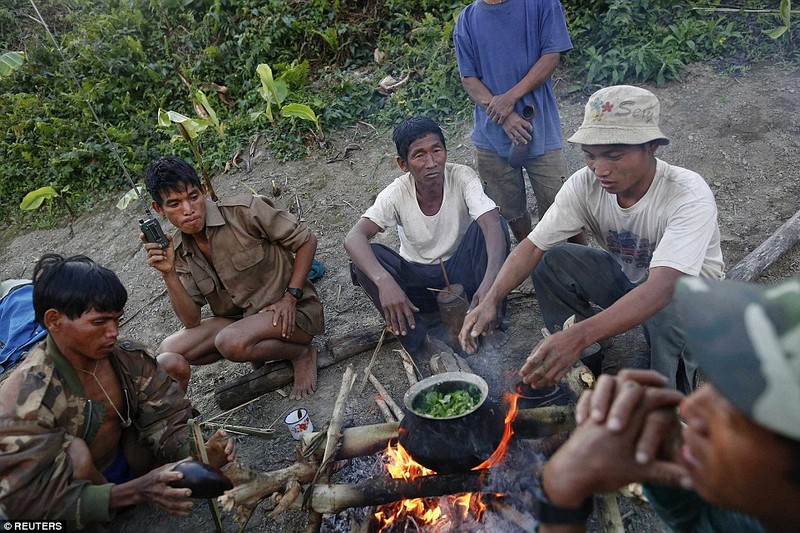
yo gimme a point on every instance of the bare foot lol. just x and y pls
(305, 374)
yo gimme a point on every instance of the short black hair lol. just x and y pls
(74, 286)
(169, 174)
(412, 129)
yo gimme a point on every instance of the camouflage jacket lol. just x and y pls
(42, 409)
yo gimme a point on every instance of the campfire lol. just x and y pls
(442, 513)
(408, 495)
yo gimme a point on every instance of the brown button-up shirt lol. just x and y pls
(252, 246)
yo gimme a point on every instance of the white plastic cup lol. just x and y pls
(298, 423)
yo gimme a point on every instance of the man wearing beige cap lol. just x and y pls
(653, 222)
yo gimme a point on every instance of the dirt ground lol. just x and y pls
(742, 134)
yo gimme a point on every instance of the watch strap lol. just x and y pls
(297, 293)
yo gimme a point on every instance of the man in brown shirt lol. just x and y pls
(249, 261)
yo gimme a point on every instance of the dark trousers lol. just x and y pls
(571, 277)
(467, 266)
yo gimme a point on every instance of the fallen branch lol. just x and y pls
(372, 362)
(384, 409)
(409, 366)
(768, 252)
(396, 411)
(334, 435)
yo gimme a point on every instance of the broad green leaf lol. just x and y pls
(129, 197)
(207, 112)
(190, 126)
(34, 199)
(300, 111)
(272, 91)
(9, 62)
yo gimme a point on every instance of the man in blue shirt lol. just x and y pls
(507, 50)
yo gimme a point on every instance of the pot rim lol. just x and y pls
(438, 379)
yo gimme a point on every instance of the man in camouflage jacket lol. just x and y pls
(63, 438)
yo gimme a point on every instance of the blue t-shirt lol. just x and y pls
(498, 44)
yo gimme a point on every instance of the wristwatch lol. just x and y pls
(297, 293)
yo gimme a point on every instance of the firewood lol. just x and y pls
(251, 486)
(409, 367)
(334, 435)
(396, 411)
(384, 409)
(363, 440)
(448, 362)
(356, 341)
(289, 496)
(768, 252)
(269, 377)
(381, 490)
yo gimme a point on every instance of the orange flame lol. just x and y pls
(502, 449)
(429, 511)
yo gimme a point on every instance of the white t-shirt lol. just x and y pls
(426, 239)
(674, 224)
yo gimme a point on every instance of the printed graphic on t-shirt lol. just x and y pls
(630, 248)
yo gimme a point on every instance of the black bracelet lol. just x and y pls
(549, 513)
(553, 514)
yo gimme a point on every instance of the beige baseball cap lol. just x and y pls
(621, 114)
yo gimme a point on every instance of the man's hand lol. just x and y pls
(597, 459)
(154, 488)
(162, 259)
(284, 311)
(500, 107)
(551, 359)
(398, 311)
(478, 321)
(220, 449)
(517, 128)
(614, 399)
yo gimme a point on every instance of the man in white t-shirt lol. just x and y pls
(654, 222)
(441, 214)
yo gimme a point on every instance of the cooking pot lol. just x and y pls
(456, 443)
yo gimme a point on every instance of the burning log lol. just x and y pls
(378, 491)
(384, 409)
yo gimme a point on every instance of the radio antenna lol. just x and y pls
(94, 114)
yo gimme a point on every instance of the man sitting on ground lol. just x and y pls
(85, 420)
(442, 214)
(734, 465)
(654, 221)
(249, 261)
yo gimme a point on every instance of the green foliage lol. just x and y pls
(34, 199)
(632, 41)
(9, 62)
(133, 58)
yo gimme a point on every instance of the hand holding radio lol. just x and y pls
(158, 257)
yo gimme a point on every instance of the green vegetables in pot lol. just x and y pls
(440, 404)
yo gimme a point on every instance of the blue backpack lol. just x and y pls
(19, 331)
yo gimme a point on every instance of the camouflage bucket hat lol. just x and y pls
(621, 114)
(746, 338)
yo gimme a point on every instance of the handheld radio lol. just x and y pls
(149, 225)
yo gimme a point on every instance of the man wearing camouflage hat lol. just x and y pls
(734, 465)
(654, 222)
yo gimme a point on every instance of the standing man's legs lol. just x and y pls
(546, 173)
(506, 186)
